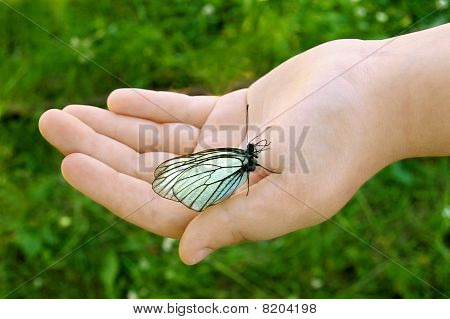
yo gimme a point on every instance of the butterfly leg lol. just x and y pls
(268, 169)
(248, 183)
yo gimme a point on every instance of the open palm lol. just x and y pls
(111, 154)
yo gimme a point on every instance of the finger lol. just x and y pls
(70, 135)
(226, 123)
(139, 134)
(162, 107)
(267, 212)
(127, 197)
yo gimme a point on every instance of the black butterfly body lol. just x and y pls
(252, 155)
(208, 177)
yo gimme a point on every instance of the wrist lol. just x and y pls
(406, 82)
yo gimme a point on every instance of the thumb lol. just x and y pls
(257, 216)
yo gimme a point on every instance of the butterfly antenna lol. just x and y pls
(265, 145)
(246, 125)
(264, 141)
(260, 133)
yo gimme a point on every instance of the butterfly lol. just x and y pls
(208, 177)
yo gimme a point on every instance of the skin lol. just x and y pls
(367, 104)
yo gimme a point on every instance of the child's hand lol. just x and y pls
(354, 131)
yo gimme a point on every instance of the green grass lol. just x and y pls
(403, 211)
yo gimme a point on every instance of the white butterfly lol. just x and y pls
(208, 177)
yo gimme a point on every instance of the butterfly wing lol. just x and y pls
(209, 183)
(201, 179)
(168, 172)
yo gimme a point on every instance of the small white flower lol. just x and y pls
(446, 212)
(381, 16)
(360, 11)
(132, 295)
(75, 41)
(144, 264)
(64, 221)
(208, 9)
(441, 4)
(316, 283)
(167, 244)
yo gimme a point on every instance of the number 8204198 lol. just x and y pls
(289, 308)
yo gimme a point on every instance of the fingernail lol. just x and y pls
(202, 254)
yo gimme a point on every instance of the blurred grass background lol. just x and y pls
(208, 47)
